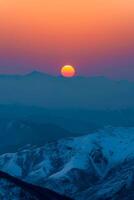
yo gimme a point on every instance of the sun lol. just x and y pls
(68, 71)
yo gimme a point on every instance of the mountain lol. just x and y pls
(76, 121)
(23, 125)
(15, 134)
(39, 89)
(95, 166)
(15, 189)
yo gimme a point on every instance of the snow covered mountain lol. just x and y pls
(92, 167)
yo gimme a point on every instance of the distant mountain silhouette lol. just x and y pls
(38, 74)
(40, 89)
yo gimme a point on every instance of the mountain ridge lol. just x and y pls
(42, 90)
(37, 73)
(87, 167)
(31, 191)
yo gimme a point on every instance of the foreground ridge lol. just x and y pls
(26, 191)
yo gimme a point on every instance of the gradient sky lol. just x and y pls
(96, 36)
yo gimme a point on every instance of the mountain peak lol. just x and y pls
(35, 72)
(38, 74)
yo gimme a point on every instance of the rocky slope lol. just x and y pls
(12, 188)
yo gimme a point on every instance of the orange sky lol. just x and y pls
(64, 30)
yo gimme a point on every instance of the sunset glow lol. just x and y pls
(97, 36)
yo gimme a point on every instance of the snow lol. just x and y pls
(117, 144)
(9, 165)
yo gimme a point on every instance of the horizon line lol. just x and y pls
(23, 74)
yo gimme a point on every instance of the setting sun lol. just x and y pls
(68, 71)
